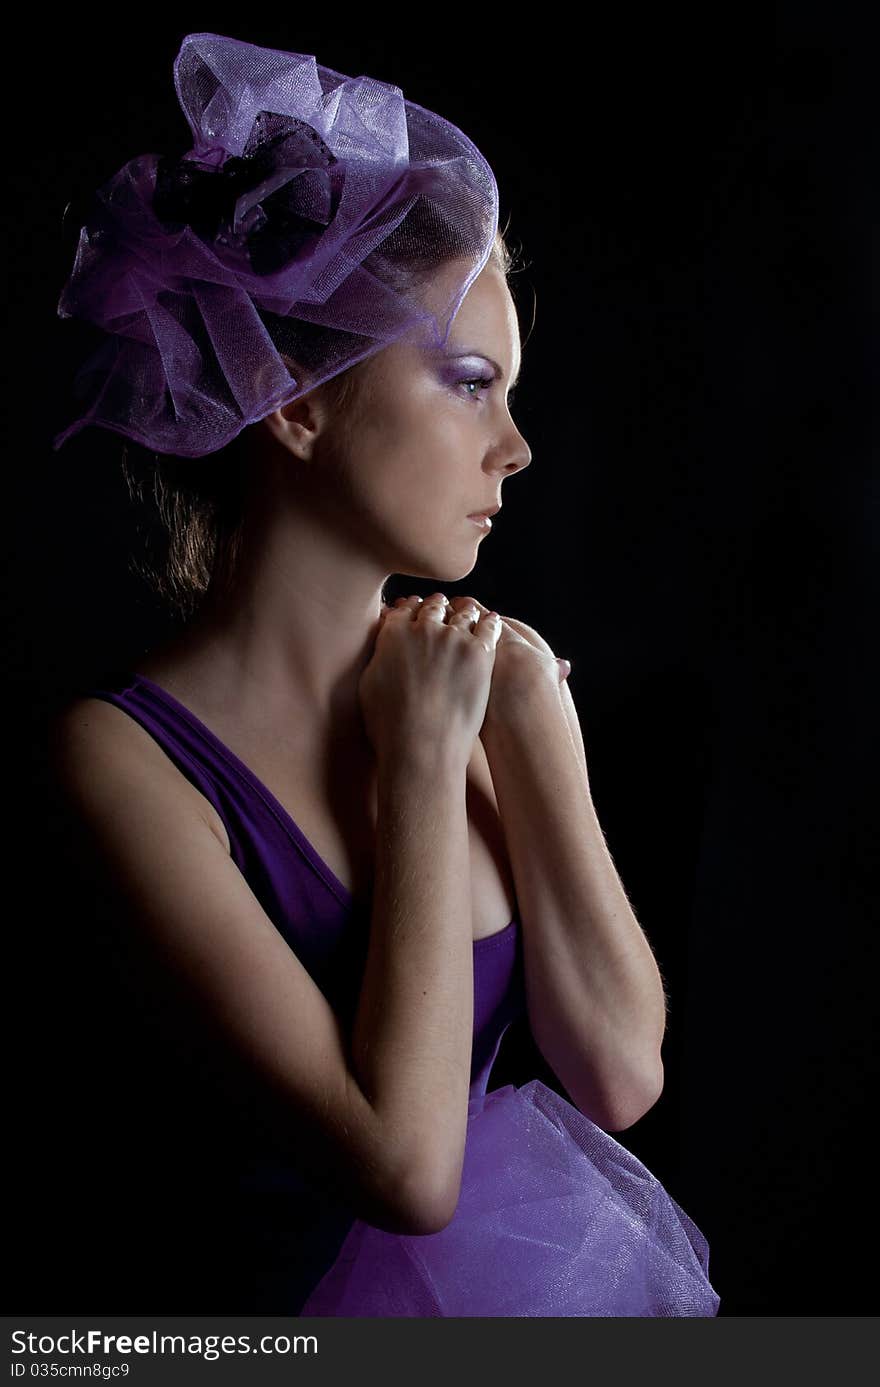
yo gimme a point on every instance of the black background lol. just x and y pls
(693, 190)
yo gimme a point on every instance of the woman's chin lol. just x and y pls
(440, 568)
(448, 574)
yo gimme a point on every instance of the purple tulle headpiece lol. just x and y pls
(317, 219)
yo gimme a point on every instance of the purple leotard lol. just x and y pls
(555, 1217)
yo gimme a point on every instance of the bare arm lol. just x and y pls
(594, 992)
(381, 1120)
(596, 999)
(413, 1033)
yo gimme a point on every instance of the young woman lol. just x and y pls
(358, 841)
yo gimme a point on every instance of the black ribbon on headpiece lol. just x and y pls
(189, 193)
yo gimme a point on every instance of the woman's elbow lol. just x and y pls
(428, 1205)
(640, 1102)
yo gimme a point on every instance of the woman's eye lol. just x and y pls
(484, 383)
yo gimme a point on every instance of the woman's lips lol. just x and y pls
(483, 518)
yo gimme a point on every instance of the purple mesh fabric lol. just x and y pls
(316, 219)
(556, 1218)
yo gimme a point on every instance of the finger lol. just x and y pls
(433, 608)
(406, 604)
(465, 616)
(488, 631)
(462, 601)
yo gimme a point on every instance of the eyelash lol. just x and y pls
(485, 382)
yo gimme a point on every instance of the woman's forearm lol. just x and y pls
(413, 1032)
(595, 996)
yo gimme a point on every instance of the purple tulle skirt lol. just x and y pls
(555, 1218)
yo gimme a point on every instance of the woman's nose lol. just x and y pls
(520, 454)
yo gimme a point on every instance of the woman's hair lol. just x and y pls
(198, 505)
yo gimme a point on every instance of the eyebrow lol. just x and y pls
(498, 371)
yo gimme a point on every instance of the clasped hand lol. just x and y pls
(524, 662)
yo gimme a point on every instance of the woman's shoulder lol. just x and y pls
(86, 730)
(96, 748)
(81, 730)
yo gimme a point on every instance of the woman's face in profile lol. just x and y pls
(429, 439)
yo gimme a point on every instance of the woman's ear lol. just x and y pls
(297, 424)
